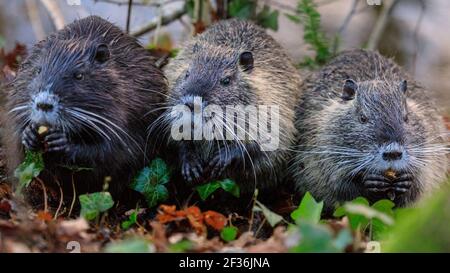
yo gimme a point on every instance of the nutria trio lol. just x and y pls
(366, 128)
(82, 97)
(233, 63)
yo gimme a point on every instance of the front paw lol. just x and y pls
(192, 169)
(56, 141)
(31, 139)
(377, 184)
(218, 165)
(403, 183)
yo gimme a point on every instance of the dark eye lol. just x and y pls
(187, 74)
(38, 70)
(363, 119)
(78, 76)
(406, 118)
(225, 81)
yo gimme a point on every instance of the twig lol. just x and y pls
(158, 24)
(416, 35)
(55, 13)
(61, 198)
(44, 189)
(344, 25)
(35, 19)
(130, 5)
(165, 20)
(74, 193)
(381, 23)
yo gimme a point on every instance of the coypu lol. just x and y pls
(90, 86)
(233, 63)
(365, 128)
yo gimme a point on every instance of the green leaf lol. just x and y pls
(181, 246)
(293, 18)
(378, 226)
(93, 204)
(228, 234)
(318, 238)
(268, 18)
(230, 186)
(309, 210)
(241, 8)
(355, 220)
(313, 34)
(151, 180)
(132, 219)
(135, 245)
(30, 168)
(271, 216)
(207, 189)
(227, 185)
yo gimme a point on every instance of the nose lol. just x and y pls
(392, 155)
(194, 103)
(46, 107)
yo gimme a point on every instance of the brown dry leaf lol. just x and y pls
(44, 216)
(215, 220)
(169, 214)
(195, 217)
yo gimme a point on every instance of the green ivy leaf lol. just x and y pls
(229, 234)
(181, 246)
(379, 227)
(207, 189)
(135, 245)
(132, 219)
(355, 220)
(318, 238)
(230, 186)
(93, 204)
(151, 182)
(30, 168)
(227, 185)
(309, 210)
(271, 216)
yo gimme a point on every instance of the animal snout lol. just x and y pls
(45, 106)
(194, 103)
(392, 155)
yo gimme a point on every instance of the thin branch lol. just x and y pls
(55, 13)
(142, 3)
(416, 35)
(165, 20)
(130, 5)
(344, 25)
(380, 25)
(35, 19)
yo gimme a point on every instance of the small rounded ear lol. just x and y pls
(246, 60)
(404, 86)
(102, 53)
(349, 89)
